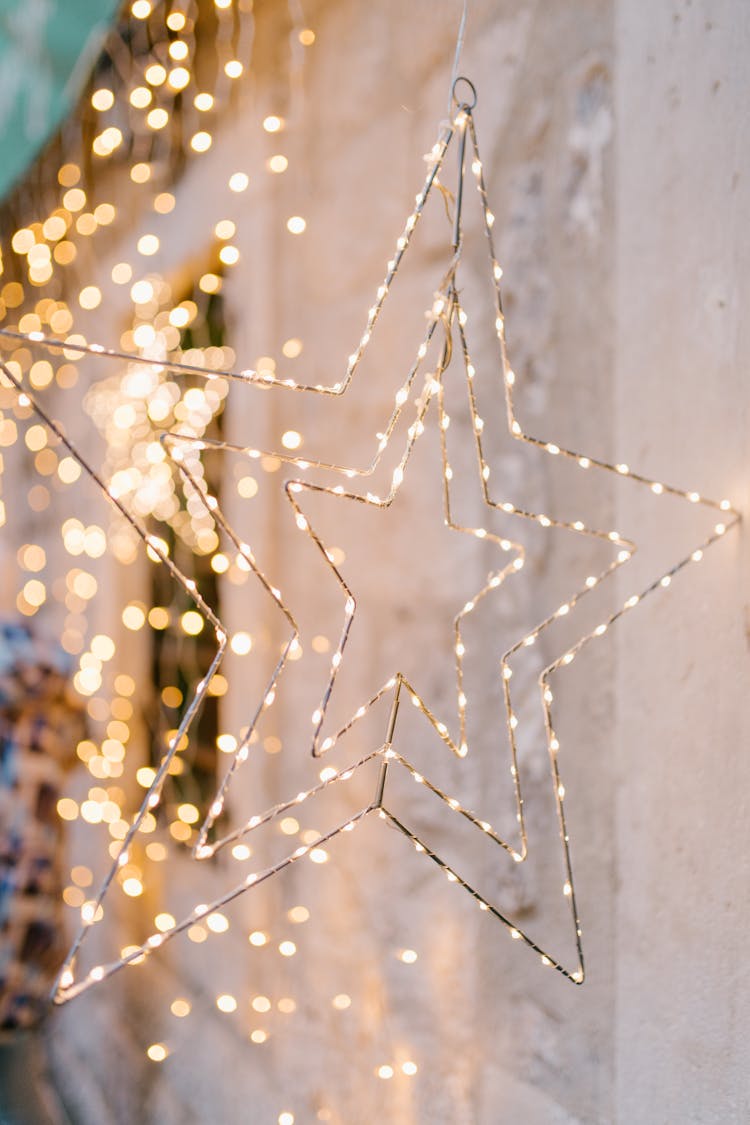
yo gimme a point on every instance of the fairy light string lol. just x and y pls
(447, 311)
(78, 345)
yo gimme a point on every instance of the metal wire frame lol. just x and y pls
(449, 314)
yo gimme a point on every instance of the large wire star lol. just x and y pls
(448, 310)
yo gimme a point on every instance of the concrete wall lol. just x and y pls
(612, 141)
(681, 1032)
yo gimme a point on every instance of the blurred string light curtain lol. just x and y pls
(47, 50)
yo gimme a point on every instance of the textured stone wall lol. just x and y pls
(612, 144)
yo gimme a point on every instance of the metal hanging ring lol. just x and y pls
(464, 104)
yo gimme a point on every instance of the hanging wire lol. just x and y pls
(457, 55)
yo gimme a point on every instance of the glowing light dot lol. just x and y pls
(158, 617)
(306, 37)
(287, 948)
(341, 1002)
(140, 97)
(241, 644)
(278, 163)
(201, 142)
(180, 1008)
(233, 68)
(408, 956)
(291, 439)
(409, 1068)
(238, 181)
(148, 245)
(157, 118)
(142, 292)
(157, 1052)
(102, 99)
(292, 348)
(247, 487)
(203, 102)
(67, 808)
(122, 273)
(192, 623)
(179, 78)
(90, 297)
(384, 1071)
(23, 240)
(258, 938)
(319, 855)
(133, 617)
(226, 1003)
(273, 124)
(227, 743)
(296, 224)
(35, 592)
(217, 923)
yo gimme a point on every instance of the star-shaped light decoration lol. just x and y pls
(451, 312)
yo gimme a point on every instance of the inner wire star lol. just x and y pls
(443, 309)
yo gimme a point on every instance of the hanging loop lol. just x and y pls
(465, 105)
